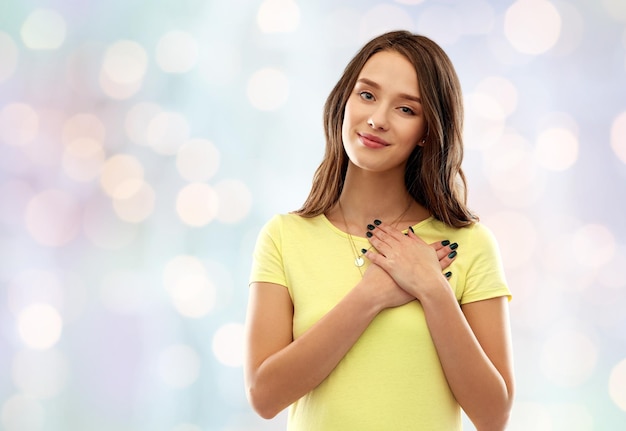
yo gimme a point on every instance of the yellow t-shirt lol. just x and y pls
(391, 379)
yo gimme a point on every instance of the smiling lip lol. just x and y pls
(372, 141)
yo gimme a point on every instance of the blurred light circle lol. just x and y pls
(40, 326)
(228, 344)
(568, 357)
(82, 159)
(119, 169)
(198, 160)
(116, 90)
(179, 366)
(22, 413)
(501, 91)
(167, 132)
(410, 2)
(19, 124)
(136, 205)
(125, 62)
(193, 296)
(517, 244)
(616, 9)
(278, 16)
(138, 120)
(593, 245)
(52, 218)
(9, 55)
(556, 149)
(83, 126)
(268, 89)
(179, 267)
(43, 29)
(617, 384)
(40, 374)
(382, 18)
(235, 201)
(618, 136)
(32, 286)
(197, 204)
(532, 26)
(177, 52)
(509, 166)
(104, 229)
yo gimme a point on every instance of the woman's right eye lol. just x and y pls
(366, 95)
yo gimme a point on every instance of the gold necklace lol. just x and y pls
(358, 260)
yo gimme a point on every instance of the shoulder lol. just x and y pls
(291, 222)
(476, 232)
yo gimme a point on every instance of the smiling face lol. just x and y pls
(383, 120)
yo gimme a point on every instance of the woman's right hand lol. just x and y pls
(383, 289)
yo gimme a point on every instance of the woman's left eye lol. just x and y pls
(407, 110)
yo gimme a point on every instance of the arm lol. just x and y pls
(279, 370)
(473, 342)
(474, 347)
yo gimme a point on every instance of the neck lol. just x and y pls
(367, 196)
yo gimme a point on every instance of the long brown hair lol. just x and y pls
(433, 174)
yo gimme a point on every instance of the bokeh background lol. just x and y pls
(144, 143)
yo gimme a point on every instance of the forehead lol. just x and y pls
(391, 69)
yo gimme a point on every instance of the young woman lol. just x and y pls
(381, 304)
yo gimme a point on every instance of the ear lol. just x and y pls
(422, 142)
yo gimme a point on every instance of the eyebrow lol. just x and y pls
(402, 95)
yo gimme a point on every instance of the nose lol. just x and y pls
(378, 119)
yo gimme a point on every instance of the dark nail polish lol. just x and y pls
(451, 255)
(377, 222)
(363, 251)
(445, 242)
(411, 229)
(371, 226)
(448, 274)
(453, 246)
(369, 234)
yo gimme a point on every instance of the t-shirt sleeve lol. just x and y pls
(485, 278)
(267, 262)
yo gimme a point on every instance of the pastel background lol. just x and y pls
(144, 143)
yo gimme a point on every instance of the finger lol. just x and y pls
(389, 231)
(438, 245)
(375, 258)
(447, 259)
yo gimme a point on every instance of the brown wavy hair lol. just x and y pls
(433, 174)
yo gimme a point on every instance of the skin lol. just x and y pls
(472, 341)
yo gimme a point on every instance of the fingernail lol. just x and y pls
(451, 255)
(369, 234)
(448, 274)
(371, 226)
(445, 242)
(411, 229)
(453, 246)
(363, 251)
(377, 222)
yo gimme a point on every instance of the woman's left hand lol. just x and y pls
(413, 264)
